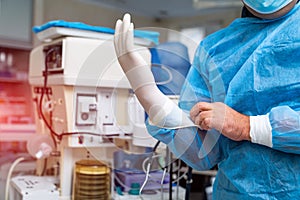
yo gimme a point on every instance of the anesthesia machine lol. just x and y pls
(83, 102)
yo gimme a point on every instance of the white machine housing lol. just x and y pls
(87, 98)
(91, 76)
(33, 188)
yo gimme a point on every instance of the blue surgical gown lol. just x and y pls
(253, 66)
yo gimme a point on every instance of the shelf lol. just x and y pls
(16, 132)
(12, 80)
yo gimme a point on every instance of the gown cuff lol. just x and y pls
(261, 130)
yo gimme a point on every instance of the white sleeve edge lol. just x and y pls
(261, 130)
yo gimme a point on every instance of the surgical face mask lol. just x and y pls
(266, 6)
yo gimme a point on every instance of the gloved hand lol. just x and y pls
(133, 64)
(161, 110)
(124, 43)
(221, 117)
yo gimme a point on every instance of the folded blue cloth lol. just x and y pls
(150, 35)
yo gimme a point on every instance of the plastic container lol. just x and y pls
(91, 180)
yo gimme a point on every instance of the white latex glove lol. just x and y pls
(133, 64)
(124, 45)
(161, 110)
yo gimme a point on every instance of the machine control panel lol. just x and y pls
(86, 110)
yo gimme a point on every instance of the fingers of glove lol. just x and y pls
(121, 34)
(125, 34)
(126, 22)
(117, 39)
(129, 38)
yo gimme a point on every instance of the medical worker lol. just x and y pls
(240, 105)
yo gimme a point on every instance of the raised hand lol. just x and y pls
(128, 56)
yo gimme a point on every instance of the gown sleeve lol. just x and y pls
(285, 123)
(279, 129)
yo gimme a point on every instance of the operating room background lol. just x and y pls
(194, 23)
